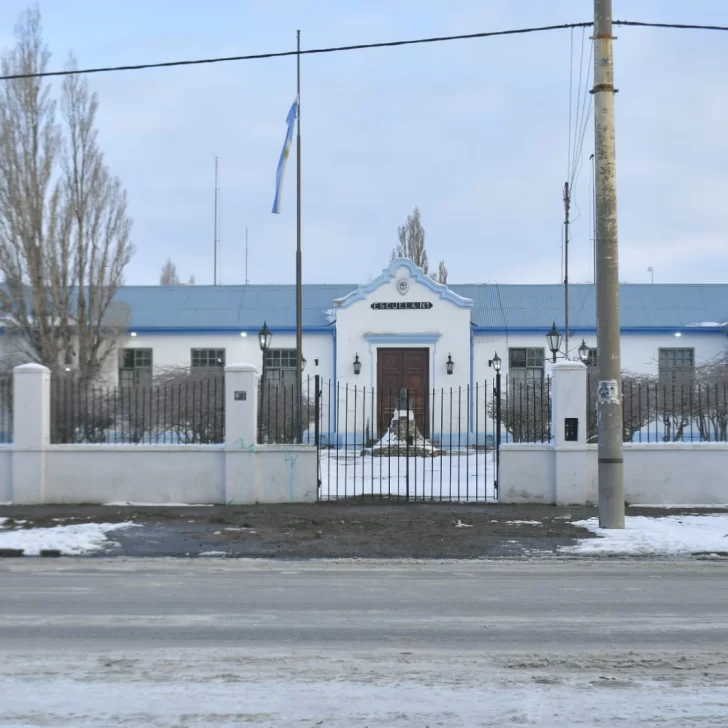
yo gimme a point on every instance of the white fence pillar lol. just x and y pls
(32, 434)
(569, 423)
(241, 426)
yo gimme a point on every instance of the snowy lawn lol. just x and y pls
(465, 476)
(72, 540)
(665, 536)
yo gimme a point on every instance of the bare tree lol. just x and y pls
(64, 229)
(525, 409)
(412, 241)
(168, 276)
(411, 245)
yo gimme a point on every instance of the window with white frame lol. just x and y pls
(676, 365)
(207, 358)
(525, 364)
(135, 367)
(280, 366)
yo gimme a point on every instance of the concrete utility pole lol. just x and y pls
(609, 397)
(567, 208)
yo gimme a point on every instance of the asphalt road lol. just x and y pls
(186, 643)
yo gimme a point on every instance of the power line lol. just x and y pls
(311, 51)
(677, 26)
(357, 47)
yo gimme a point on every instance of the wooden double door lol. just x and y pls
(399, 369)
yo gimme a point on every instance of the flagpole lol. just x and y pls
(299, 291)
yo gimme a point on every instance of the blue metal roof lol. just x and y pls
(494, 306)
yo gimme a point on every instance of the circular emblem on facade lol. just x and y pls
(403, 285)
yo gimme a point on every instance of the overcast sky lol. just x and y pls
(473, 132)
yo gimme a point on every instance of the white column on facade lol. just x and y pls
(241, 425)
(31, 432)
(569, 423)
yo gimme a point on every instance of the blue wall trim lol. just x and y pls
(227, 330)
(389, 273)
(592, 330)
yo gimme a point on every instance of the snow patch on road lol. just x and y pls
(73, 540)
(664, 536)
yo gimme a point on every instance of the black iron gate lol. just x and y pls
(450, 456)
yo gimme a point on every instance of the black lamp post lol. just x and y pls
(495, 362)
(554, 341)
(264, 339)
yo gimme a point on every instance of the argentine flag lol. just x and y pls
(290, 120)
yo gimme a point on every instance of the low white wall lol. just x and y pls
(6, 473)
(656, 473)
(680, 473)
(286, 474)
(526, 474)
(137, 473)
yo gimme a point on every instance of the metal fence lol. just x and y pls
(278, 412)
(6, 410)
(409, 444)
(526, 410)
(654, 411)
(185, 413)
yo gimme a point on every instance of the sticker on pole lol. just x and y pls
(608, 392)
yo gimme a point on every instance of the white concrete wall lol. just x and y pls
(526, 474)
(175, 350)
(443, 330)
(136, 473)
(639, 351)
(32, 471)
(658, 473)
(6, 473)
(283, 474)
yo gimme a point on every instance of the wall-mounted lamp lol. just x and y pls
(450, 365)
(678, 334)
(495, 362)
(243, 333)
(357, 365)
(133, 333)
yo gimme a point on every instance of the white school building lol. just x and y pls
(402, 329)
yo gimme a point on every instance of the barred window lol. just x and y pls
(525, 364)
(280, 366)
(675, 364)
(207, 358)
(135, 367)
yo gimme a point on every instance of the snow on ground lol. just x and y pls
(353, 689)
(72, 540)
(681, 506)
(465, 476)
(157, 505)
(525, 523)
(664, 536)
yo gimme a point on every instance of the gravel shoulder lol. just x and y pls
(334, 530)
